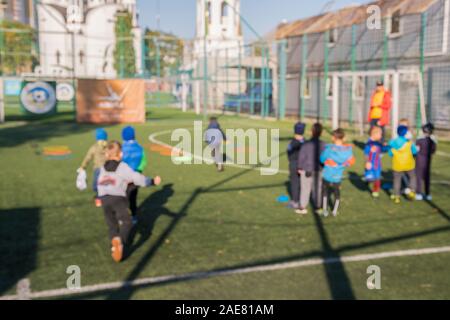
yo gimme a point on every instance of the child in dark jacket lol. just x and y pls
(293, 151)
(427, 147)
(113, 180)
(310, 170)
(336, 157)
(214, 137)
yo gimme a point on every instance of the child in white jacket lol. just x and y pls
(114, 178)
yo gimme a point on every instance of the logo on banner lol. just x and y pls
(38, 97)
(65, 92)
(114, 100)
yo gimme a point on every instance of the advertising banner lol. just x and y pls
(38, 97)
(111, 101)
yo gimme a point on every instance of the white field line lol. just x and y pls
(152, 139)
(443, 154)
(226, 272)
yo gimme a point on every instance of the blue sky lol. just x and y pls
(178, 16)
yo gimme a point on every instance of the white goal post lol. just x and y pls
(413, 74)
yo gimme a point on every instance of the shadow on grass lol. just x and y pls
(19, 235)
(148, 213)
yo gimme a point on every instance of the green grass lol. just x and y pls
(199, 220)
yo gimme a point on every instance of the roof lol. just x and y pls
(349, 16)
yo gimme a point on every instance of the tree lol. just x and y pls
(163, 54)
(16, 48)
(124, 53)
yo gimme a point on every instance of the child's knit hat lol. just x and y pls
(299, 128)
(402, 131)
(428, 128)
(128, 134)
(101, 134)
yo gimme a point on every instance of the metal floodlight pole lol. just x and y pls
(325, 76)
(205, 63)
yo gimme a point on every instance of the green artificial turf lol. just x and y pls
(201, 220)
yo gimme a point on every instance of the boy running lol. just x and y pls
(134, 156)
(114, 178)
(336, 157)
(214, 137)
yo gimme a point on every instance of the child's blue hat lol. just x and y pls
(402, 131)
(299, 128)
(128, 134)
(101, 134)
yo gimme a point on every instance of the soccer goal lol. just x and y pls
(351, 92)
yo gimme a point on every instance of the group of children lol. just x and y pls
(117, 177)
(316, 169)
(319, 167)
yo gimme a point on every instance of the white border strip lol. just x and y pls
(209, 274)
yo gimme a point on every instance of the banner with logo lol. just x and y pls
(111, 101)
(65, 92)
(12, 87)
(38, 97)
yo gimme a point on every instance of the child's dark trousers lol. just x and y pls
(117, 216)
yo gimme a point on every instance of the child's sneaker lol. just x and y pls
(411, 196)
(375, 195)
(335, 214)
(429, 198)
(117, 249)
(393, 196)
(419, 197)
(293, 205)
(396, 199)
(301, 211)
(319, 212)
(325, 213)
(98, 202)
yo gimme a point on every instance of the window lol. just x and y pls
(224, 12)
(208, 12)
(329, 87)
(358, 88)
(58, 57)
(307, 88)
(81, 57)
(394, 24)
(332, 37)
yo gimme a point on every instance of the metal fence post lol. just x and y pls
(282, 79)
(304, 68)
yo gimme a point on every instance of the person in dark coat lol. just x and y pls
(427, 147)
(293, 151)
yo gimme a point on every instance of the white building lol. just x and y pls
(79, 35)
(221, 24)
(17, 10)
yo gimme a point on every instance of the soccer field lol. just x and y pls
(209, 235)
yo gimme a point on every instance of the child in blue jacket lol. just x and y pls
(336, 158)
(134, 156)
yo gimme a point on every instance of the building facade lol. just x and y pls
(17, 10)
(360, 45)
(219, 23)
(79, 35)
